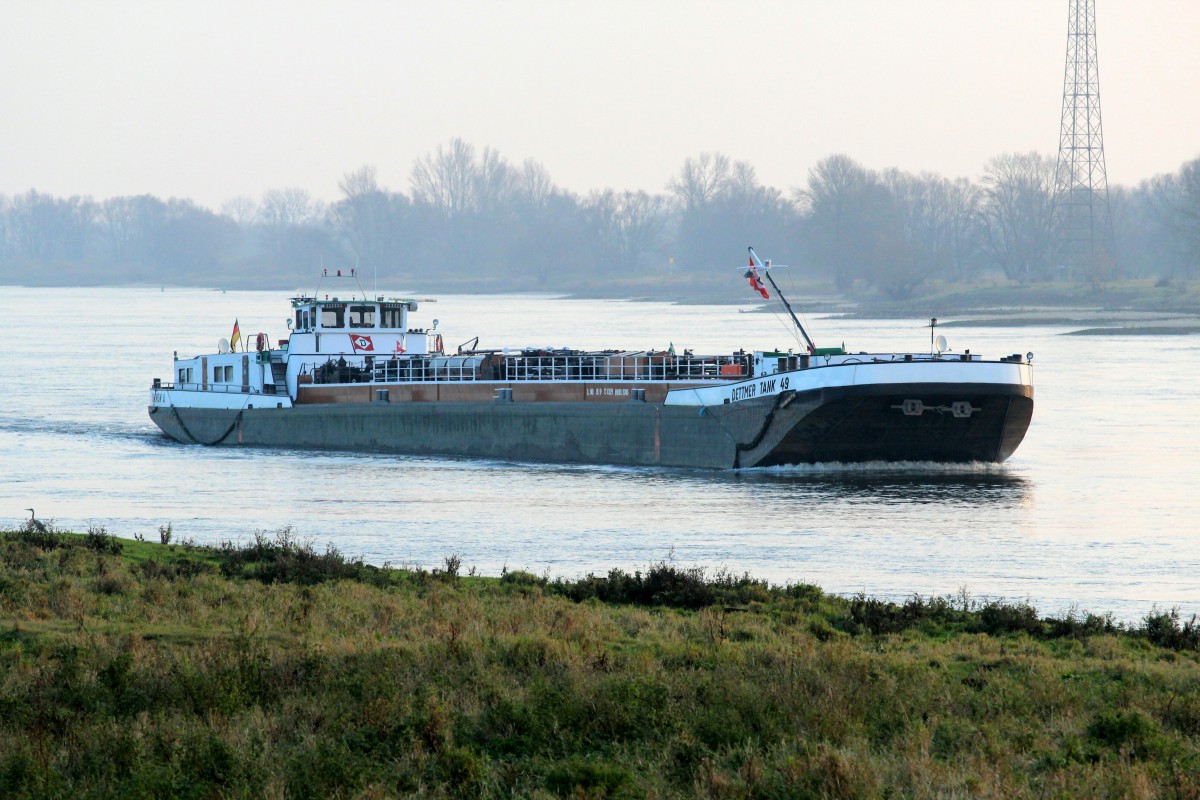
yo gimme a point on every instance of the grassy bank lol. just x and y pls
(1139, 296)
(274, 669)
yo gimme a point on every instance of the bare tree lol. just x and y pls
(360, 182)
(930, 231)
(281, 208)
(375, 224)
(455, 181)
(241, 209)
(1187, 207)
(292, 233)
(532, 184)
(473, 196)
(844, 203)
(700, 180)
(626, 229)
(1017, 214)
(49, 230)
(962, 200)
(127, 224)
(444, 179)
(493, 181)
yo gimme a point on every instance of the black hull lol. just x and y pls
(855, 424)
(870, 424)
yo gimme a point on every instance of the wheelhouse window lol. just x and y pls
(362, 316)
(391, 316)
(333, 316)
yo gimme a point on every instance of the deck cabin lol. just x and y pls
(327, 335)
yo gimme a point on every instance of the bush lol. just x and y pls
(99, 540)
(880, 616)
(521, 578)
(1074, 627)
(1165, 630)
(665, 584)
(569, 776)
(185, 568)
(997, 617)
(40, 535)
(285, 559)
(1131, 731)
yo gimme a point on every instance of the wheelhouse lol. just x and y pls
(312, 315)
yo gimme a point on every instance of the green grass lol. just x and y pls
(274, 669)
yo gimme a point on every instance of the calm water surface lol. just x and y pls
(1098, 509)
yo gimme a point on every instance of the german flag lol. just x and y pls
(235, 337)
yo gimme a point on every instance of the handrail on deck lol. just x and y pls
(639, 366)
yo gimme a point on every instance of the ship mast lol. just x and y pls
(756, 263)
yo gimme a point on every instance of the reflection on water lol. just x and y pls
(913, 482)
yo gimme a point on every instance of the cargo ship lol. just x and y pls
(361, 373)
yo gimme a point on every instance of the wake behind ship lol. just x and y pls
(356, 374)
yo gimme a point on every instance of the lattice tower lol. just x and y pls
(1084, 221)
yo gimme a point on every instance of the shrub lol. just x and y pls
(99, 540)
(285, 559)
(185, 568)
(880, 616)
(665, 584)
(1165, 630)
(997, 617)
(1071, 626)
(522, 578)
(568, 776)
(43, 537)
(1131, 731)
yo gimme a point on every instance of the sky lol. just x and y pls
(211, 99)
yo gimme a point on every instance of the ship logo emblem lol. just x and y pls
(360, 342)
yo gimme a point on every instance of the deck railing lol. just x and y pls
(643, 366)
(223, 388)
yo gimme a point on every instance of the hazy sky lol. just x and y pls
(209, 99)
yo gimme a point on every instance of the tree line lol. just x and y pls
(471, 218)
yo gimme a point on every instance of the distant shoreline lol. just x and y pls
(1129, 308)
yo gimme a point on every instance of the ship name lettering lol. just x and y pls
(743, 392)
(766, 387)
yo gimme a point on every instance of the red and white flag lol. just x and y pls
(361, 343)
(756, 283)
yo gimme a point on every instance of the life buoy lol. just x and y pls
(260, 342)
(437, 343)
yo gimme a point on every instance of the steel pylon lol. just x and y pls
(1082, 215)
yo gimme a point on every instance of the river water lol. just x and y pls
(1098, 509)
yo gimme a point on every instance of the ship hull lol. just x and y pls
(951, 422)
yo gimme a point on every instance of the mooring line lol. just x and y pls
(741, 447)
(183, 426)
